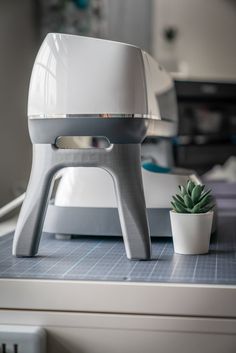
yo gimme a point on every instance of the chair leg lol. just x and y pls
(127, 176)
(32, 214)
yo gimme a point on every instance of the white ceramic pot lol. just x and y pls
(191, 232)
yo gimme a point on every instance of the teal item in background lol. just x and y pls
(82, 4)
(155, 168)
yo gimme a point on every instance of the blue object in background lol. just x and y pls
(152, 167)
(82, 4)
(175, 141)
(233, 139)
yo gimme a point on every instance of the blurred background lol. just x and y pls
(193, 39)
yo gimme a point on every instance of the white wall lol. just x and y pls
(206, 39)
(17, 50)
(129, 21)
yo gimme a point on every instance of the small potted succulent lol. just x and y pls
(191, 219)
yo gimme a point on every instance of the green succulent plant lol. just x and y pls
(192, 199)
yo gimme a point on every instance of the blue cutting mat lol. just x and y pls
(103, 259)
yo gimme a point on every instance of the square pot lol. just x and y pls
(191, 232)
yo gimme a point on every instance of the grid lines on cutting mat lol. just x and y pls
(104, 259)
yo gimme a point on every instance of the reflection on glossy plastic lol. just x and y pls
(75, 75)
